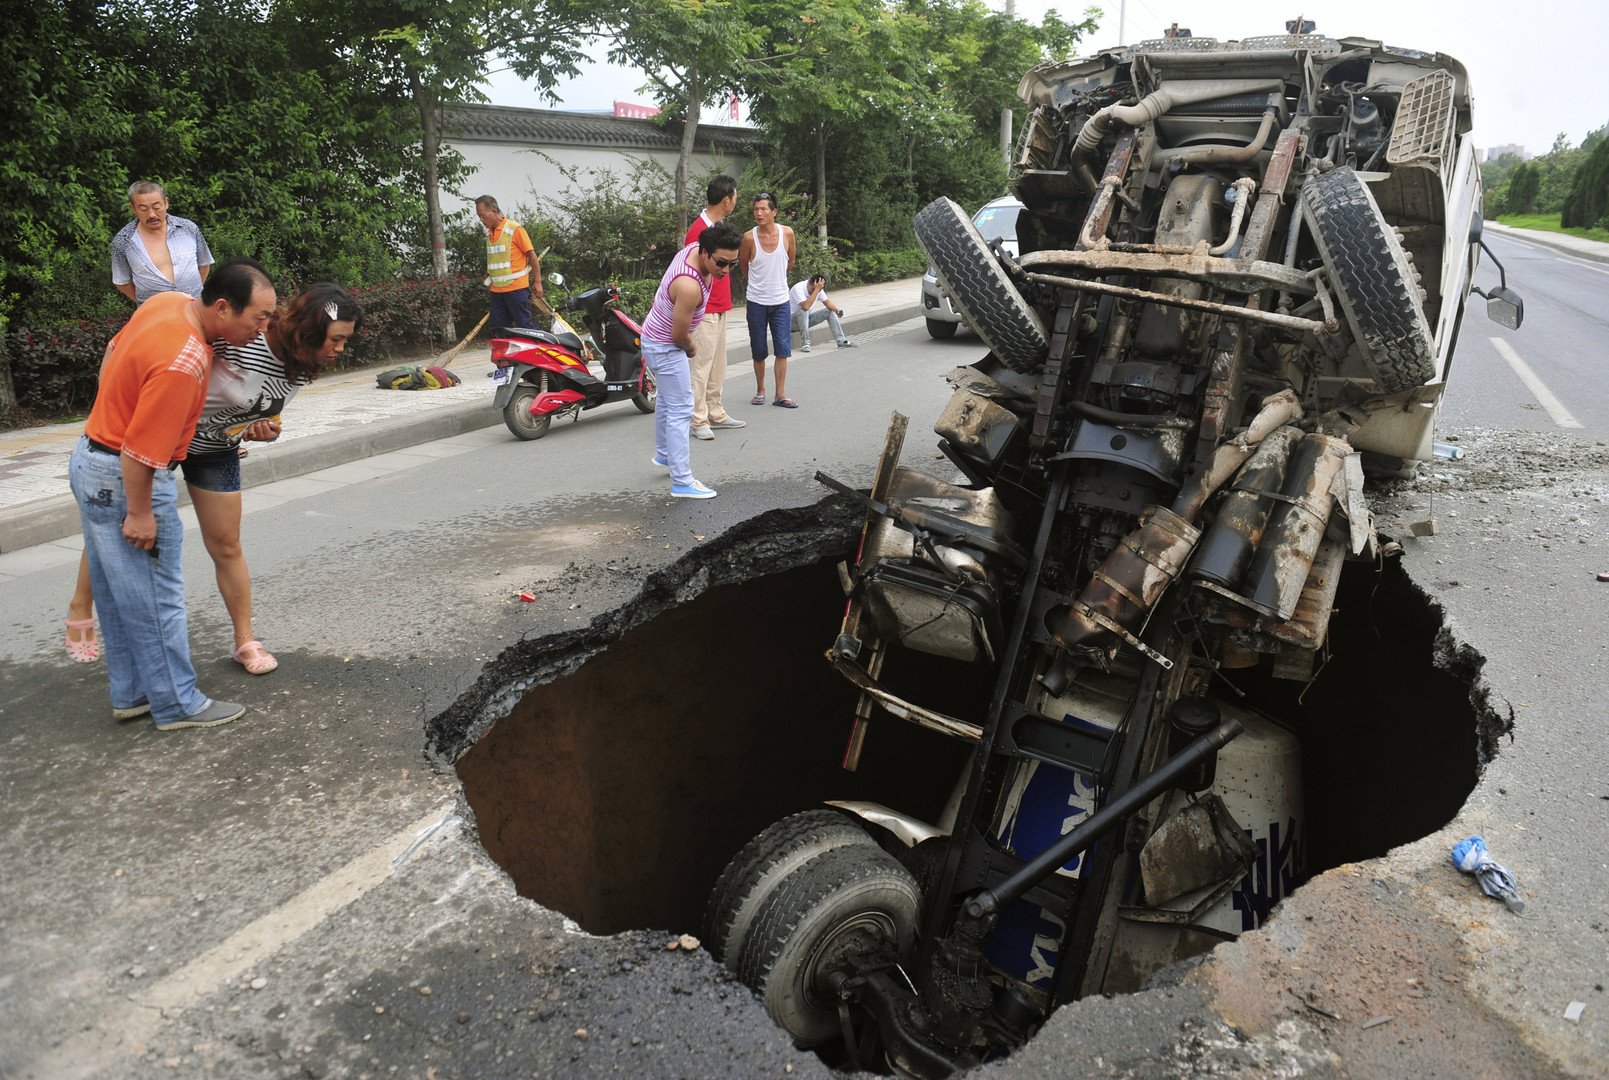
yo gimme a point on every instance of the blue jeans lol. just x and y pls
(673, 407)
(775, 317)
(511, 309)
(818, 315)
(140, 599)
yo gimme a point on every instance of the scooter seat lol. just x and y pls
(564, 341)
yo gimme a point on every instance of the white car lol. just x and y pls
(996, 221)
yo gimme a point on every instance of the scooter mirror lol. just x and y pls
(556, 278)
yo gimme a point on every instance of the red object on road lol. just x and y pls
(1604, 576)
(528, 597)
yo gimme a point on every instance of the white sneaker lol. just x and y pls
(695, 490)
(703, 433)
(729, 422)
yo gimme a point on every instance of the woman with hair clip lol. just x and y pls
(248, 389)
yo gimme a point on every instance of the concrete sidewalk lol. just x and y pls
(1581, 248)
(345, 418)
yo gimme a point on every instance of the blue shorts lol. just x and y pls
(779, 318)
(218, 471)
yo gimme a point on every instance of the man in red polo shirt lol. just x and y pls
(709, 361)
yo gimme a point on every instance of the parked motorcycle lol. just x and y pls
(542, 374)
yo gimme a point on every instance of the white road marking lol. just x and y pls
(135, 1021)
(1538, 388)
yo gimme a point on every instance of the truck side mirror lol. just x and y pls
(1503, 304)
(1505, 307)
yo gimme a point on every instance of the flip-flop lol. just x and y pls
(786, 403)
(757, 399)
(255, 659)
(86, 648)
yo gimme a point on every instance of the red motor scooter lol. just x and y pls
(541, 374)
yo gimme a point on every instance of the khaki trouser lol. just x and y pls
(709, 370)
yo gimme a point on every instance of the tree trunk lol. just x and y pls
(821, 182)
(8, 389)
(429, 148)
(684, 160)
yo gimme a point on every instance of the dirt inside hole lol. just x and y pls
(617, 792)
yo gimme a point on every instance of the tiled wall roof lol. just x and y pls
(551, 127)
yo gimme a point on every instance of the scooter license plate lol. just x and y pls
(502, 375)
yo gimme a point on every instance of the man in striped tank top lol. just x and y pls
(668, 349)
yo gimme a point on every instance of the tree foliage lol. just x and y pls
(693, 51)
(1523, 188)
(1588, 202)
(894, 102)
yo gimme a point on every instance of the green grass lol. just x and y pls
(1550, 223)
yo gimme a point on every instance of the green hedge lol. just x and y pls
(55, 370)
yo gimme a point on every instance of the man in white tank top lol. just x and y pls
(767, 257)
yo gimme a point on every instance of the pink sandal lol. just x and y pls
(255, 659)
(86, 648)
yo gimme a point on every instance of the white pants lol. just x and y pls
(673, 407)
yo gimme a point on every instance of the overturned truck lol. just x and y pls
(1242, 268)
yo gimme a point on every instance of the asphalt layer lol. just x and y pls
(257, 900)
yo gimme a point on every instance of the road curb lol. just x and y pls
(44, 520)
(1550, 241)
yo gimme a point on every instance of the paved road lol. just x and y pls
(279, 895)
(1549, 373)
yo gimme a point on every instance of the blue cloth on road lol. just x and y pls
(1496, 880)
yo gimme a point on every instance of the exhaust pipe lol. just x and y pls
(1280, 567)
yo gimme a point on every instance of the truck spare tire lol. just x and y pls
(983, 294)
(1374, 280)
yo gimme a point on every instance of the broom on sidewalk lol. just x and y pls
(446, 359)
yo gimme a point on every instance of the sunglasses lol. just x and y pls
(725, 264)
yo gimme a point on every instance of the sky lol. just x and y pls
(1530, 64)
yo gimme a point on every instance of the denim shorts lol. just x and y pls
(775, 318)
(213, 472)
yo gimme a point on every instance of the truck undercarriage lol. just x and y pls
(1242, 269)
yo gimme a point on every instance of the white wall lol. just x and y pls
(518, 175)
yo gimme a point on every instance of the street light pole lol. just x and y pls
(1005, 114)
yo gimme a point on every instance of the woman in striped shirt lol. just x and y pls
(248, 389)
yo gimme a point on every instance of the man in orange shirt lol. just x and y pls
(513, 268)
(153, 386)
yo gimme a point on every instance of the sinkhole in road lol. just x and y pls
(614, 771)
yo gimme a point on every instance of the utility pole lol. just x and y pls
(1005, 114)
(1122, 22)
